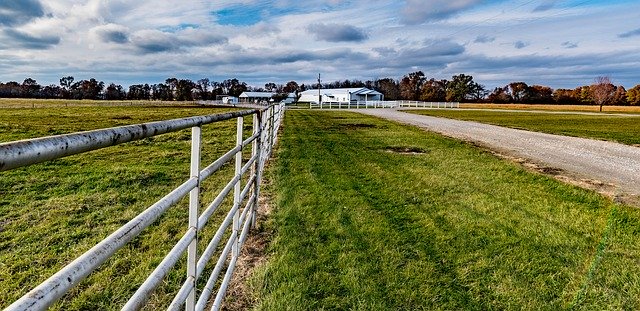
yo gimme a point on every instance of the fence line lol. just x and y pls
(266, 123)
(378, 104)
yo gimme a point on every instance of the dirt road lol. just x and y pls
(598, 161)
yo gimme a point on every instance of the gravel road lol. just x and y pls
(606, 162)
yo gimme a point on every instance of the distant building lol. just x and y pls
(229, 100)
(257, 97)
(347, 95)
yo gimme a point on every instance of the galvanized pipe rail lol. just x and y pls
(266, 123)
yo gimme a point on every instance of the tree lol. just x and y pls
(411, 85)
(459, 88)
(65, 83)
(270, 87)
(114, 92)
(233, 87)
(30, 88)
(389, 87)
(203, 88)
(602, 90)
(51, 91)
(539, 94)
(172, 83)
(184, 90)
(633, 95)
(500, 95)
(292, 87)
(564, 96)
(434, 90)
(518, 91)
(478, 92)
(620, 96)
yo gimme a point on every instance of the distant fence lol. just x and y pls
(241, 216)
(375, 104)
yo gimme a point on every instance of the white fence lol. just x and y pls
(376, 104)
(240, 218)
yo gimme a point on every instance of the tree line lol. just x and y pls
(412, 86)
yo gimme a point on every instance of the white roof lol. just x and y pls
(262, 95)
(257, 94)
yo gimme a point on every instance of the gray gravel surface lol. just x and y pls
(607, 162)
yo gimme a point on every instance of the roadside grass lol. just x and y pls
(585, 108)
(50, 213)
(373, 215)
(622, 129)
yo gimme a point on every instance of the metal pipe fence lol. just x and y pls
(240, 218)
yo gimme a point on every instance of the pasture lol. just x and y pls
(58, 103)
(52, 212)
(367, 214)
(373, 215)
(622, 129)
(583, 108)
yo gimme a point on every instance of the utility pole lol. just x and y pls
(319, 95)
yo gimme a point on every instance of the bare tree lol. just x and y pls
(602, 90)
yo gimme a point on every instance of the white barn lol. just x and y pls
(347, 95)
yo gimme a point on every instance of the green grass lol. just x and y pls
(51, 103)
(50, 213)
(360, 228)
(622, 129)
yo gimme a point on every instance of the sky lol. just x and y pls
(562, 44)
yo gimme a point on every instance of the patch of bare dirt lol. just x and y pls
(253, 255)
(405, 150)
(355, 126)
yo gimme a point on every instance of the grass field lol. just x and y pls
(52, 103)
(52, 212)
(622, 129)
(587, 108)
(373, 215)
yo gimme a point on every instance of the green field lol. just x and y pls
(52, 212)
(622, 129)
(368, 215)
(373, 215)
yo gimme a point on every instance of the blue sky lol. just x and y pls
(549, 42)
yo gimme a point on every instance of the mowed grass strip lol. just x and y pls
(583, 108)
(622, 129)
(52, 212)
(373, 215)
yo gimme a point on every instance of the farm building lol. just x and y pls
(361, 94)
(257, 97)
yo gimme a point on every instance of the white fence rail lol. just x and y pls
(377, 104)
(241, 216)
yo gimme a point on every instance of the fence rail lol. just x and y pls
(240, 218)
(376, 104)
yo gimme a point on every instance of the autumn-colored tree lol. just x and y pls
(620, 96)
(434, 90)
(539, 94)
(411, 85)
(633, 95)
(389, 87)
(500, 95)
(518, 91)
(602, 91)
(565, 96)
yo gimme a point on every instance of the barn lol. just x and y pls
(345, 95)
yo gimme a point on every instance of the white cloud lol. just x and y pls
(146, 41)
